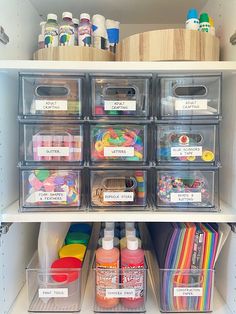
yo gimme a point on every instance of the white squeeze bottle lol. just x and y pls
(85, 30)
(109, 232)
(67, 30)
(129, 232)
(51, 31)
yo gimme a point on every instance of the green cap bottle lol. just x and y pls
(77, 238)
(204, 18)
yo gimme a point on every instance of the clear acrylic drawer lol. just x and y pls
(50, 95)
(186, 96)
(186, 290)
(119, 96)
(46, 142)
(187, 189)
(116, 188)
(118, 143)
(187, 143)
(47, 188)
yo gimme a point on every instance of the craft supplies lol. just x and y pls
(192, 21)
(66, 271)
(51, 188)
(51, 31)
(73, 250)
(204, 25)
(112, 188)
(80, 227)
(109, 232)
(132, 273)
(120, 97)
(99, 37)
(187, 188)
(212, 26)
(84, 31)
(67, 30)
(53, 143)
(113, 30)
(129, 232)
(187, 96)
(186, 143)
(107, 273)
(77, 238)
(118, 143)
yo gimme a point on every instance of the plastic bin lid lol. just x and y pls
(77, 237)
(73, 250)
(66, 275)
(80, 227)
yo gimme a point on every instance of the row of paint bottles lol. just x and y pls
(203, 24)
(108, 257)
(71, 32)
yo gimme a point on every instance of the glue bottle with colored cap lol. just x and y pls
(133, 273)
(204, 25)
(212, 26)
(192, 21)
(107, 273)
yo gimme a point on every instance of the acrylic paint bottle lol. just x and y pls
(51, 31)
(204, 25)
(107, 273)
(192, 21)
(133, 273)
(85, 31)
(129, 232)
(67, 30)
(76, 25)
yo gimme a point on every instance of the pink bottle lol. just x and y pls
(133, 273)
(107, 273)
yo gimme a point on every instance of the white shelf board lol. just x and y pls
(11, 214)
(20, 305)
(30, 66)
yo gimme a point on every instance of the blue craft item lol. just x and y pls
(113, 35)
(192, 14)
(80, 227)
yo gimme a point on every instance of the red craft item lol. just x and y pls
(61, 269)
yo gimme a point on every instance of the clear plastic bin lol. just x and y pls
(47, 295)
(186, 290)
(119, 142)
(120, 96)
(187, 189)
(51, 142)
(45, 189)
(112, 188)
(50, 95)
(186, 96)
(187, 143)
(120, 290)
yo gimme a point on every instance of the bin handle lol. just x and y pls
(44, 89)
(190, 90)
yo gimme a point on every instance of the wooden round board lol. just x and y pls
(73, 54)
(169, 45)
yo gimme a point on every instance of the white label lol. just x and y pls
(51, 105)
(50, 196)
(186, 151)
(53, 151)
(185, 197)
(120, 105)
(120, 293)
(53, 293)
(119, 151)
(191, 104)
(118, 196)
(188, 292)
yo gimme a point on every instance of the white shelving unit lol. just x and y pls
(26, 15)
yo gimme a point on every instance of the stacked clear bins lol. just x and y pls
(51, 142)
(119, 137)
(187, 159)
(187, 136)
(120, 278)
